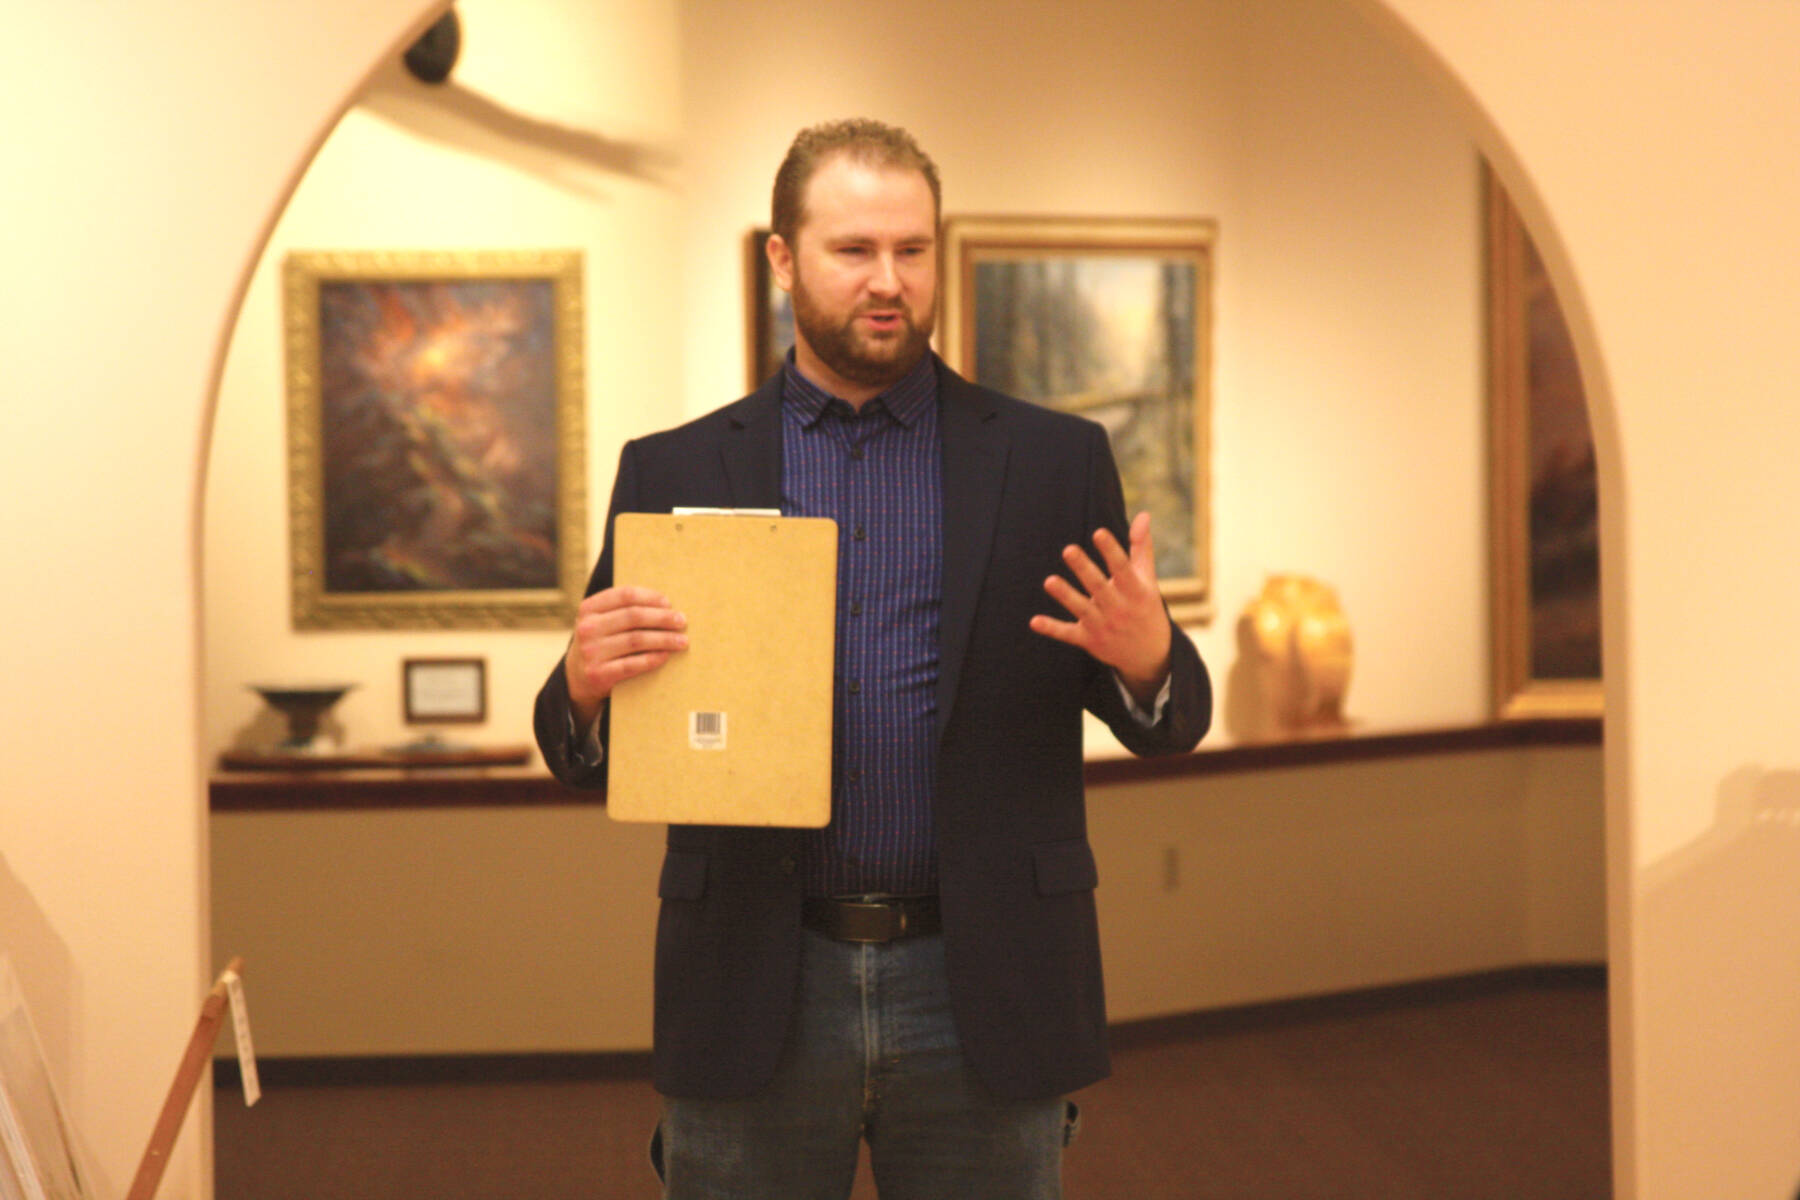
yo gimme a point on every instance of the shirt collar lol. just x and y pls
(905, 402)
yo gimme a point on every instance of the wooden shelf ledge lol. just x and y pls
(506, 787)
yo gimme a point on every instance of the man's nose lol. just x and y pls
(886, 279)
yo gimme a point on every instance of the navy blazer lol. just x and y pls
(1016, 874)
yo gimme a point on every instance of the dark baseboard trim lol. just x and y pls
(579, 1066)
(1152, 1031)
(353, 1070)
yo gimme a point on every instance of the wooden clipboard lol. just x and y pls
(736, 729)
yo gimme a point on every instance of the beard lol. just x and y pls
(852, 353)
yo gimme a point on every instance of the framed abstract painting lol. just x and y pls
(435, 444)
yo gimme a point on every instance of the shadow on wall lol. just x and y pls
(453, 115)
(1243, 706)
(1727, 969)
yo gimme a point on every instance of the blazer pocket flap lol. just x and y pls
(683, 876)
(1065, 867)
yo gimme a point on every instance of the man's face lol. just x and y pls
(863, 276)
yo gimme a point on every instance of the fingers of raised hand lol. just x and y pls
(1069, 632)
(1143, 549)
(1067, 595)
(1091, 578)
(1111, 553)
(1134, 573)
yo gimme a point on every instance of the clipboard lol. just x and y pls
(736, 729)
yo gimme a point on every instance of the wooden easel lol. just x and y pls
(181, 1092)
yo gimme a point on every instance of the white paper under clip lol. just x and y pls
(725, 512)
(240, 1026)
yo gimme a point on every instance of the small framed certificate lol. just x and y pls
(444, 690)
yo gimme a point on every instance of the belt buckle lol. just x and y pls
(893, 918)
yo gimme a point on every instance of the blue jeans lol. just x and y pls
(873, 1055)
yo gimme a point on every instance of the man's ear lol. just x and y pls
(781, 261)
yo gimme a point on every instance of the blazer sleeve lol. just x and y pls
(1188, 714)
(552, 720)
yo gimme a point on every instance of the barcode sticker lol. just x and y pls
(706, 730)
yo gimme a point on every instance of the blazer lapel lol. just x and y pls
(750, 452)
(974, 474)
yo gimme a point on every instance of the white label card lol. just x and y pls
(240, 1025)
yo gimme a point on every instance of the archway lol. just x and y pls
(708, 387)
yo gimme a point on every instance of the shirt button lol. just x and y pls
(855, 774)
(789, 865)
(856, 608)
(861, 534)
(856, 453)
(856, 687)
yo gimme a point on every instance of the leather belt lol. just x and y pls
(872, 918)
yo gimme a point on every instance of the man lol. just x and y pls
(923, 973)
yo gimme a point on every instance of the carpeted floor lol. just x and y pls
(1492, 1088)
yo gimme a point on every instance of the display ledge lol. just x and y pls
(1224, 756)
(462, 787)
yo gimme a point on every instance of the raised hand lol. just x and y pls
(1118, 611)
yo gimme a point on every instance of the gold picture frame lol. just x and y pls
(769, 311)
(1110, 318)
(436, 453)
(1543, 492)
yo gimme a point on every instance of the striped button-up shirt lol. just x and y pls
(877, 473)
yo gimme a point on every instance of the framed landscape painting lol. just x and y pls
(1544, 512)
(435, 446)
(1110, 319)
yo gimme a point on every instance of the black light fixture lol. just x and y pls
(431, 57)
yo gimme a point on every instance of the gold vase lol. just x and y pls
(1298, 640)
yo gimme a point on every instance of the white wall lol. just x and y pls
(446, 931)
(146, 148)
(1651, 149)
(1268, 885)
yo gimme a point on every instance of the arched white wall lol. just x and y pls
(146, 151)
(1651, 147)
(147, 147)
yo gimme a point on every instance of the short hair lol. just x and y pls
(871, 143)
